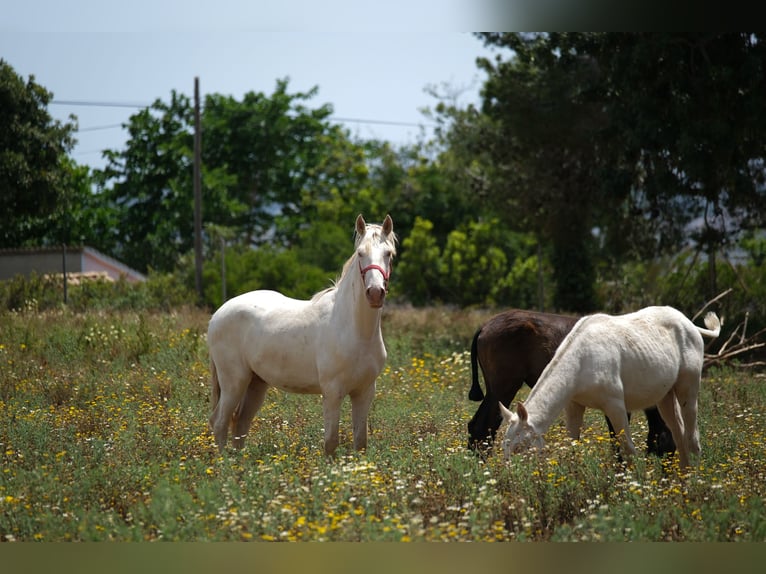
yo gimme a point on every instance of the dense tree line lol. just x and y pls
(610, 146)
(594, 162)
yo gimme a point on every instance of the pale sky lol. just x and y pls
(369, 63)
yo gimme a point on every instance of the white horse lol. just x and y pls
(331, 345)
(619, 364)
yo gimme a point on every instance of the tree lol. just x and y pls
(419, 268)
(268, 161)
(33, 149)
(473, 263)
(613, 145)
(267, 267)
(79, 217)
(688, 109)
(149, 186)
(285, 157)
(544, 121)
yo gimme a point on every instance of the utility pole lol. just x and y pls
(223, 268)
(197, 195)
(540, 291)
(66, 279)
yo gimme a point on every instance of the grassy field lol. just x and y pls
(103, 436)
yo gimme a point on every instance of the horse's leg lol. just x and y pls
(618, 416)
(482, 428)
(232, 386)
(215, 395)
(574, 415)
(687, 394)
(659, 439)
(221, 419)
(248, 406)
(613, 436)
(672, 417)
(360, 408)
(331, 411)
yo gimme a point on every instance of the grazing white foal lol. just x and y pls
(619, 364)
(331, 345)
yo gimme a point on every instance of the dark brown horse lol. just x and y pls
(513, 348)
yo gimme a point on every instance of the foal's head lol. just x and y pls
(375, 250)
(520, 435)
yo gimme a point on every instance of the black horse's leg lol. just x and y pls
(482, 428)
(659, 440)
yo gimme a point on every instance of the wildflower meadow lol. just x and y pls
(104, 437)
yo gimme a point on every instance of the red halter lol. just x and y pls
(386, 274)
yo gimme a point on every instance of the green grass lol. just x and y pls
(103, 436)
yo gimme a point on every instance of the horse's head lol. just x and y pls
(520, 435)
(375, 249)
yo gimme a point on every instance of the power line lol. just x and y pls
(97, 104)
(380, 122)
(96, 128)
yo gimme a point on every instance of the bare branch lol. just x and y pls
(713, 300)
(714, 359)
(733, 335)
(736, 344)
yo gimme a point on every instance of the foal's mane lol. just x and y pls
(563, 348)
(373, 233)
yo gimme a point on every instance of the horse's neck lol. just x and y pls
(351, 308)
(551, 394)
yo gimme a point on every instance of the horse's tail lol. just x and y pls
(713, 324)
(215, 386)
(475, 394)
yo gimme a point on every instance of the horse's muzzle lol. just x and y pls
(376, 296)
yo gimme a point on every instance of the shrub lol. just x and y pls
(41, 293)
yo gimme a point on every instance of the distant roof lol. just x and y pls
(47, 250)
(93, 254)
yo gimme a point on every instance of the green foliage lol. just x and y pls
(264, 268)
(46, 292)
(479, 263)
(520, 288)
(755, 247)
(419, 266)
(472, 264)
(267, 160)
(33, 165)
(149, 187)
(604, 147)
(276, 147)
(683, 282)
(325, 245)
(686, 287)
(36, 292)
(673, 121)
(621, 133)
(574, 273)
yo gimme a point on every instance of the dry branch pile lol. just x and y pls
(738, 343)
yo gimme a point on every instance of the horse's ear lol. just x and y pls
(507, 415)
(361, 226)
(522, 412)
(388, 225)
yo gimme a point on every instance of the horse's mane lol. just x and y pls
(319, 294)
(563, 347)
(373, 233)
